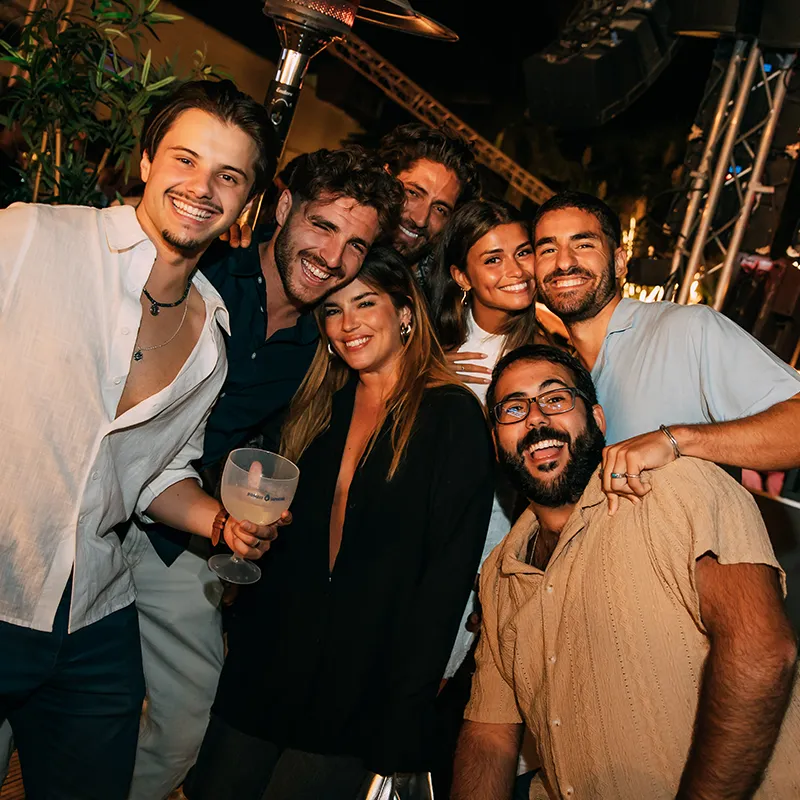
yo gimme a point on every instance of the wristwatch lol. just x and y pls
(219, 526)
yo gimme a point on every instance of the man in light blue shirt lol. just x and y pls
(674, 380)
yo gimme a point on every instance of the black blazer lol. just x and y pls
(349, 662)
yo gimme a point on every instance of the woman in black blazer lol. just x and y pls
(335, 657)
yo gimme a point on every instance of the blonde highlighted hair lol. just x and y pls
(422, 366)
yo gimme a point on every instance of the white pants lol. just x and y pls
(182, 651)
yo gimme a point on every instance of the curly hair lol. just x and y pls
(349, 172)
(220, 99)
(405, 145)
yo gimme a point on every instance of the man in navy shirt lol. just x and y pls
(339, 202)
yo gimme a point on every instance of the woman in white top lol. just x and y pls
(483, 305)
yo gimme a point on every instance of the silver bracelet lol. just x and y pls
(668, 433)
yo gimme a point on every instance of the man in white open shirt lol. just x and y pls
(112, 357)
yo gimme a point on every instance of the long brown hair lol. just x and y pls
(468, 225)
(422, 366)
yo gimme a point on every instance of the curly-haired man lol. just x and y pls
(338, 202)
(439, 173)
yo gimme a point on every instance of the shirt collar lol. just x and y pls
(624, 316)
(122, 227)
(515, 545)
(215, 305)
(123, 232)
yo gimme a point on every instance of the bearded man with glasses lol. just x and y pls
(648, 652)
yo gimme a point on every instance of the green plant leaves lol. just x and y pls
(71, 77)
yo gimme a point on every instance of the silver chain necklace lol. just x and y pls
(138, 354)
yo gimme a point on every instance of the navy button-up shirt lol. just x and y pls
(263, 374)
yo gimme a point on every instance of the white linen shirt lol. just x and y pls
(70, 285)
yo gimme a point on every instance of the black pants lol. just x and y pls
(234, 766)
(74, 701)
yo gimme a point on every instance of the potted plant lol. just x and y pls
(81, 85)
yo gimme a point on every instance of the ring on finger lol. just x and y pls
(618, 476)
(633, 474)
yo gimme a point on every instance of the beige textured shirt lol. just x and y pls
(601, 655)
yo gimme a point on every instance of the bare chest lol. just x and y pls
(163, 345)
(362, 425)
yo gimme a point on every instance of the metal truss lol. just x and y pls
(727, 183)
(398, 87)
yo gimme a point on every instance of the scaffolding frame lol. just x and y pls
(732, 162)
(400, 88)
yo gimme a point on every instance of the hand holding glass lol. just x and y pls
(257, 486)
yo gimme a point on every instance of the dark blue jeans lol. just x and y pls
(74, 701)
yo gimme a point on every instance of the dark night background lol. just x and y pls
(480, 78)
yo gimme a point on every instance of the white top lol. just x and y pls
(480, 341)
(70, 284)
(668, 364)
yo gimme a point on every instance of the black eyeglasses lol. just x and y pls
(516, 409)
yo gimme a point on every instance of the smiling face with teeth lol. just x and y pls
(432, 191)
(499, 274)
(320, 244)
(549, 458)
(362, 324)
(577, 271)
(197, 183)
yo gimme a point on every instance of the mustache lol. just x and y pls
(536, 435)
(567, 273)
(206, 205)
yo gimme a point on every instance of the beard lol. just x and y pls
(287, 259)
(414, 253)
(586, 453)
(183, 244)
(581, 307)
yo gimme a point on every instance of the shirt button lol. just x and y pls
(550, 589)
(126, 331)
(222, 394)
(253, 356)
(117, 381)
(95, 476)
(552, 659)
(261, 309)
(569, 791)
(260, 279)
(556, 722)
(82, 517)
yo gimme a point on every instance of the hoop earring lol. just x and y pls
(331, 351)
(464, 297)
(405, 331)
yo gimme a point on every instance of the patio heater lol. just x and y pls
(306, 27)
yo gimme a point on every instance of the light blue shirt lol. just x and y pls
(667, 364)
